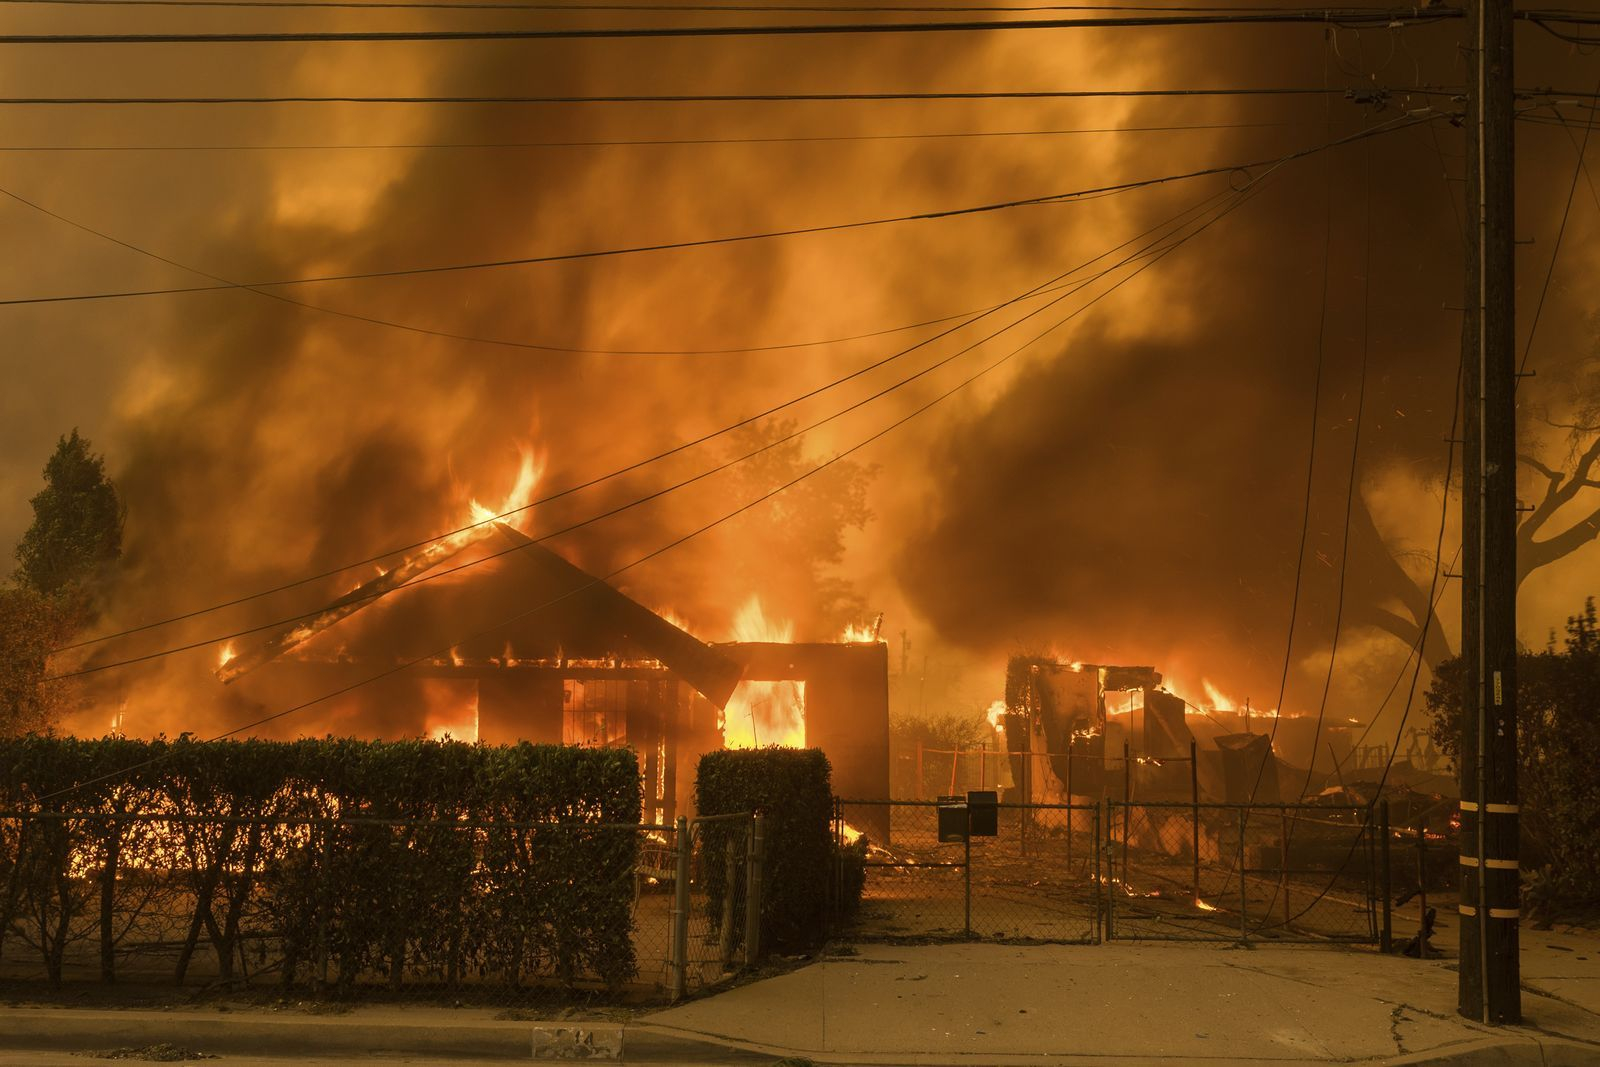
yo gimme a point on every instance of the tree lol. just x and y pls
(798, 535)
(64, 558)
(31, 625)
(77, 522)
(1400, 605)
(1558, 732)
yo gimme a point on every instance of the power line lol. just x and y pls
(1351, 489)
(1561, 231)
(1051, 198)
(468, 5)
(1239, 197)
(793, 435)
(1364, 94)
(1392, 124)
(374, 320)
(640, 143)
(1352, 17)
(1311, 457)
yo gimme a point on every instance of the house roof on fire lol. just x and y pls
(518, 600)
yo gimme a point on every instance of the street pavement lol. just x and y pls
(1129, 1004)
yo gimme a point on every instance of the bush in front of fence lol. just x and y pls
(793, 789)
(292, 844)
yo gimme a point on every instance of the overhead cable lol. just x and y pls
(669, 546)
(1393, 124)
(705, 242)
(1352, 17)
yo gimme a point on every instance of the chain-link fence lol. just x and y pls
(1034, 880)
(1214, 872)
(488, 913)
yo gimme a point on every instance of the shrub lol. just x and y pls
(1558, 732)
(792, 788)
(346, 848)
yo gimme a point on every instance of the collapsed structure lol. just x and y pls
(1072, 729)
(557, 655)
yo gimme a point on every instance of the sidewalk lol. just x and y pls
(1129, 1003)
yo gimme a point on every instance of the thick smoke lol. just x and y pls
(1130, 489)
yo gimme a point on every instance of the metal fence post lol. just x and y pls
(1094, 848)
(752, 891)
(730, 871)
(1107, 869)
(1070, 825)
(1283, 863)
(1384, 884)
(966, 842)
(1194, 801)
(678, 952)
(1422, 890)
(1244, 922)
(1127, 807)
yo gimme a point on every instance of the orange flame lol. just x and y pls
(996, 714)
(513, 507)
(764, 713)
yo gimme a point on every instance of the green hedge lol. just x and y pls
(285, 838)
(792, 788)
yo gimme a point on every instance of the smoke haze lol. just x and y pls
(1131, 489)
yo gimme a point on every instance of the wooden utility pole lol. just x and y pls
(1489, 975)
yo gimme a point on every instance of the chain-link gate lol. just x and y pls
(1232, 872)
(1036, 879)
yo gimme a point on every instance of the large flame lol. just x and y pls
(529, 472)
(764, 713)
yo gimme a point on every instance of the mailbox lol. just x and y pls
(983, 812)
(952, 819)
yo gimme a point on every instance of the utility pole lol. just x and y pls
(1488, 988)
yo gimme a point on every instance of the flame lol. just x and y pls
(530, 470)
(675, 619)
(764, 713)
(859, 635)
(996, 714)
(1202, 905)
(452, 709)
(1216, 699)
(751, 624)
(226, 656)
(850, 834)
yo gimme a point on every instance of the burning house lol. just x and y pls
(1070, 728)
(553, 654)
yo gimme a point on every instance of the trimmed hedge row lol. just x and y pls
(792, 788)
(280, 841)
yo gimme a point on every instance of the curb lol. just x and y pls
(76, 1030)
(67, 1029)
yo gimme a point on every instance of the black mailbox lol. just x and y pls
(983, 812)
(952, 819)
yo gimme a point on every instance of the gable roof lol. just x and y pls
(518, 600)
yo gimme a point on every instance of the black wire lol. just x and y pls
(672, 142)
(472, 338)
(791, 436)
(1392, 124)
(1037, 201)
(741, 98)
(1351, 489)
(1311, 452)
(1351, 17)
(1561, 231)
(1239, 198)
(470, 5)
